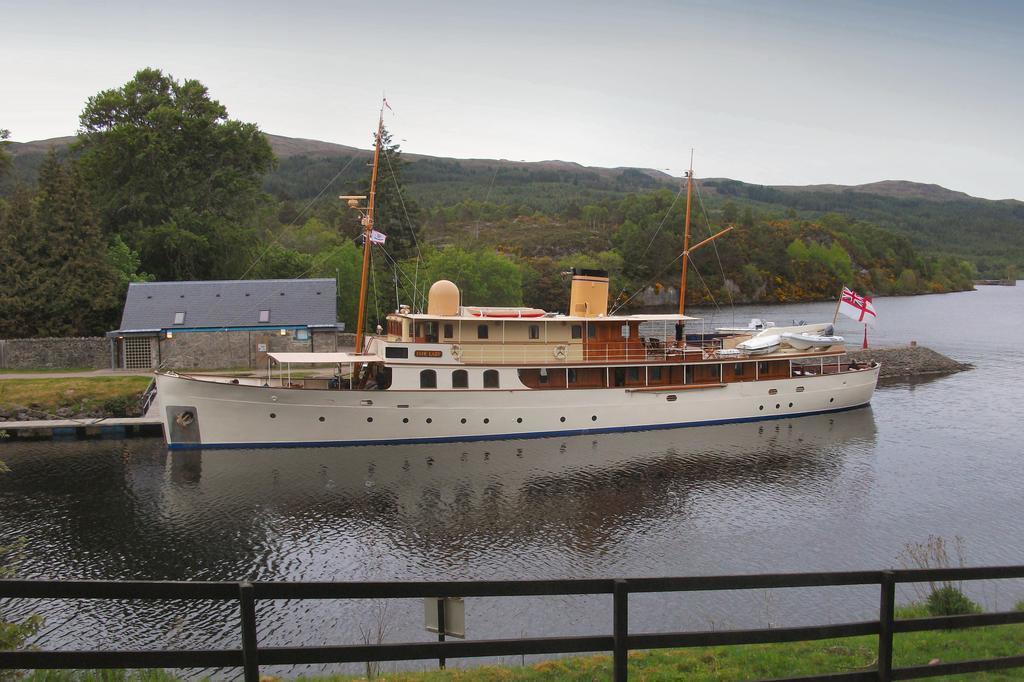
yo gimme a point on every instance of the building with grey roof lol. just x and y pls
(222, 324)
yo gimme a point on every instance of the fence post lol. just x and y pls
(886, 616)
(250, 659)
(442, 625)
(620, 618)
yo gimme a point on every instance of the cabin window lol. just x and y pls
(428, 379)
(571, 376)
(264, 316)
(543, 375)
(396, 352)
(577, 331)
(431, 329)
(481, 331)
(619, 375)
(624, 331)
(634, 373)
(655, 373)
(449, 331)
(418, 330)
(738, 368)
(460, 379)
(762, 367)
(534, 332)
(491, 378)
(179, 318)
(591, 331)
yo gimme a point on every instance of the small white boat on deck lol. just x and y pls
(755, 325)
(760, 345)
(805, 341)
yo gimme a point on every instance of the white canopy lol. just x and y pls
(324, 358)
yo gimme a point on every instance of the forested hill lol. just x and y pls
(936, 220)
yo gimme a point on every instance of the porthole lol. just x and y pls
(561, 419)
(593, 418)
(799, 389)
(831, 400)
(323, 419)
(671, 398)
(429, 420)
(486, 420)
(463, 420)
(405, 420)
(772, 391)
(273, 416)
(369, 419)
(791, 404)
(777, 406)
(760, 407)
(519, 420)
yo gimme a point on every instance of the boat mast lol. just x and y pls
(367, 233)
(686, 237)
(687, 249)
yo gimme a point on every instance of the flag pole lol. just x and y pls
(865, 336)
(838, 303)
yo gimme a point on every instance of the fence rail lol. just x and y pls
(251, 656)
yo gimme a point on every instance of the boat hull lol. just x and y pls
(205, 414)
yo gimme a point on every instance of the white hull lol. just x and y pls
(231, 415)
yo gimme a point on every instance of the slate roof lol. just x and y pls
(153, 306)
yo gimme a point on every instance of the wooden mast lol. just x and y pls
(686, 237)
(367, 233)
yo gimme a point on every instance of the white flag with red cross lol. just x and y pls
(858, 307)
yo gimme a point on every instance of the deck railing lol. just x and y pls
(251, 656)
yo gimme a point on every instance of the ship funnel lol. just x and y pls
(443, 298)
(589, 294)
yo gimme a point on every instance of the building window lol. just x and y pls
(534, 332)
(302, 335)
(264, 316)
(179, 318)
(491, 378)
(460, 379)
(449, 331)
(577, 331)
(428, 379)
(481, 331)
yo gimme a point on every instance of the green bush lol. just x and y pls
(949, 601)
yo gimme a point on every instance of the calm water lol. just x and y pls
(940, 456)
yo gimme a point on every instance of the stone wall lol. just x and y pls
(92, 352)
(205, 350)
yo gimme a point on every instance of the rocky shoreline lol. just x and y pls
(908, 361)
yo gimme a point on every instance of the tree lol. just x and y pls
(484, 277)
(173, 175)
(5, 158)
(395, 213)
(17, 245)
(73, 282)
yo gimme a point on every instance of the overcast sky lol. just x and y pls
(766, 92)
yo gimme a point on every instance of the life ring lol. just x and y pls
(456, 351)
(560, 352)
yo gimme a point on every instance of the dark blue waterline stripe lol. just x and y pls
(506, 436)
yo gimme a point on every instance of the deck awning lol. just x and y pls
(324, 358)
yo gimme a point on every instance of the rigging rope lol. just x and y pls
(714, 243)
(651, 242)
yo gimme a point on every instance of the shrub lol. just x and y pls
(949, 601)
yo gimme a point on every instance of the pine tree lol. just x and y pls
(73, 280)
(17, 243)
(395, 213)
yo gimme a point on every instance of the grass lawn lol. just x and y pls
(112, 395)
(709, 664)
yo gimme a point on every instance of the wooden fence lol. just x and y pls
(251, 655)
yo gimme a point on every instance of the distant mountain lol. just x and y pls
(936, 219)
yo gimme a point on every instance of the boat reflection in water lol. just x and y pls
(580, 492)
